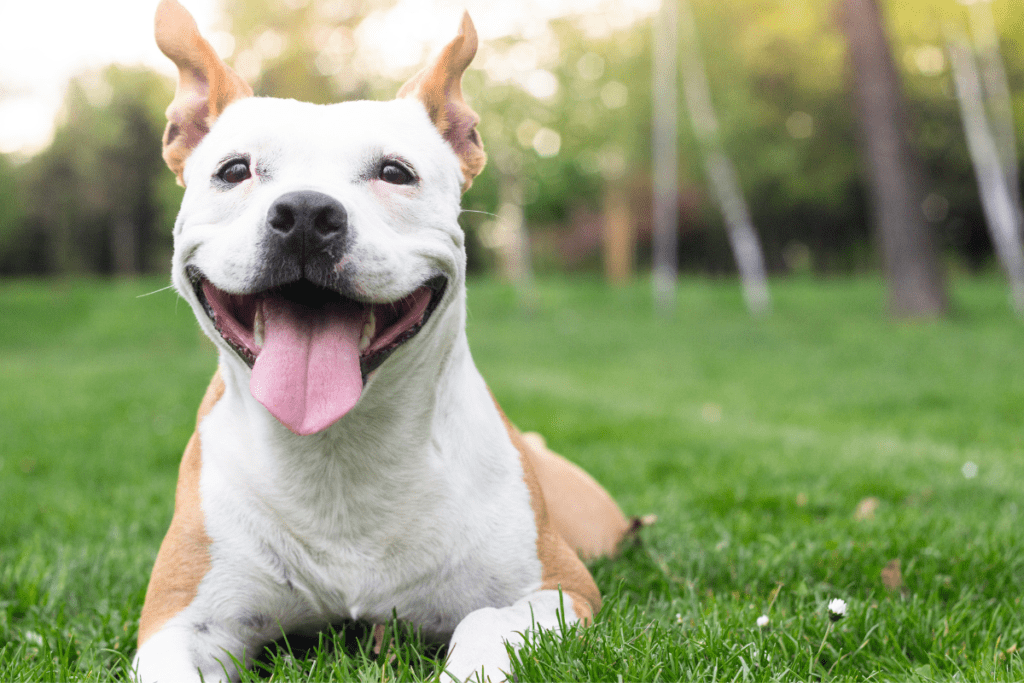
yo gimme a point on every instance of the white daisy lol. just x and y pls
(762, 621)
(836, 609)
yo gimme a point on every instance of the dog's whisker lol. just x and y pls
(486, 213)
(156, 291)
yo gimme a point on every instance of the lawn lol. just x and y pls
(823, 452)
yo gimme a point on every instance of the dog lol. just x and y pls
(349, 461)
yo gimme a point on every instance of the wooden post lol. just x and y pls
(619, 236)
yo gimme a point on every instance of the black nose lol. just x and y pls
(306, 235)
(308, 215)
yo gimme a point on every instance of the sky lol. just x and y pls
(45, 42)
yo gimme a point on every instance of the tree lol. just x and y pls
(18, 251)
(909, 255)
(996, 177)
(298, 48)
(100, 196)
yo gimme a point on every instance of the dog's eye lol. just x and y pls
(234, 171)
(394, 173)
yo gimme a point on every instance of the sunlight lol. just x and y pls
(88, 36)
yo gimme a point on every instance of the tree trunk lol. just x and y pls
(746, 247)
(509, 236)
(123, 247)
(999, 99)
(664, 158)
(997, 197)
(909, 255)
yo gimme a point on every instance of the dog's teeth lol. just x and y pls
(258, 328)
(369, 329)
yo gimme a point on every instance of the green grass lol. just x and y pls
(753, 441)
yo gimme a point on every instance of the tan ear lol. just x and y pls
(439, 88)
(206, 85)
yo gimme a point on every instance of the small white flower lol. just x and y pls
(836, 609)
(762, 621)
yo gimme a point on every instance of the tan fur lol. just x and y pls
(439, 87)
(561, 567)
(184, 556)
(579, 508)
(206, 85)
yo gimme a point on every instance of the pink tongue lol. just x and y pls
(307, 374)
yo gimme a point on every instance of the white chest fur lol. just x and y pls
(355, 524)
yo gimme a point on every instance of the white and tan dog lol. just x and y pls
(348, 460)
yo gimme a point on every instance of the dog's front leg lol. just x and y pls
(477, 648)
(179, 635)
(184, 652)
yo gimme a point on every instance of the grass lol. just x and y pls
(754, 441)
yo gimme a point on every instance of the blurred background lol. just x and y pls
(793, 137)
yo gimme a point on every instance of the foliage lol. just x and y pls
(565, 113)
(297, 49)
(756, 442)
(13, 243)
(102, 181)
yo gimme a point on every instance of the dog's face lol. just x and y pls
(314, 241)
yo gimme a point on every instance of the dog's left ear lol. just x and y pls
(206, 85)
(439, 88)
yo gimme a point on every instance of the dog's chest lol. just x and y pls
(428, 542)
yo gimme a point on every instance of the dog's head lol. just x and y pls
(316, 240)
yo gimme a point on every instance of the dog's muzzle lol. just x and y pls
(311, 347)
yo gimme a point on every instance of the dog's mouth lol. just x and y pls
(311, 349)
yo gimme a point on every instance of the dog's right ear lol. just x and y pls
(206, 85)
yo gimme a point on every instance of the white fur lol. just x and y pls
(477, 647)
(414, 502)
